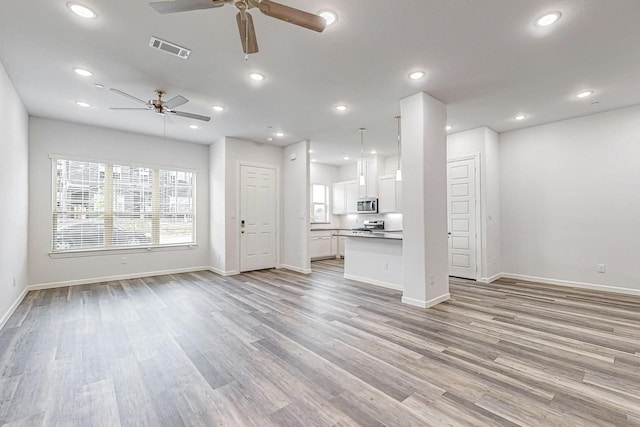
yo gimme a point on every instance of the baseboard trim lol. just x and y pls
(296, 269)
(92, 280)
(490, 279)
(374, 282)
(426, 304)
(570, 284)
(222, 272)
(12, 308)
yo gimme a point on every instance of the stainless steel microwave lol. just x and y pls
(369, 206)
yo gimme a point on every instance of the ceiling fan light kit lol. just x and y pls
(244, 19)
(160, 106)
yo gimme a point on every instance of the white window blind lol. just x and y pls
(109, 206)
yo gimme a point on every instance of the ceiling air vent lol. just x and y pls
(172, 48)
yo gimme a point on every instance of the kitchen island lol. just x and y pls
(374, 258)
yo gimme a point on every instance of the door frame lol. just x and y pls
(480, 225)
(239, 165)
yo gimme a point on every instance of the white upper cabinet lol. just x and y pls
(345, 196)
(338, 207)
(390, 194)
(372, 166)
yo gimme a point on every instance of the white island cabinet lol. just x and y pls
(374, 258)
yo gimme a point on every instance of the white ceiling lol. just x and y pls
(484, 58)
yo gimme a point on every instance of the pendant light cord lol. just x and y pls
(398, 171)
(361, 130)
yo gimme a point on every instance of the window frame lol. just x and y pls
(327, 204)
(110, 214)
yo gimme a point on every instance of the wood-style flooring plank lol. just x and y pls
(280, 348)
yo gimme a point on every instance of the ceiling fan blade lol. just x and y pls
(129, 96)
(118, 108)
(190, 115)
(247, 32)
(176, 101)
(174, 6)
(292, 15)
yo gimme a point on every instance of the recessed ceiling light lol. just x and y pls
(256, 76)
(313, 160)
(346, 158)
(585, 94)
(417, 75)
(449, 127)
(341, 107)
(279, 134)
(82, 72)
(83, 104)
(374, 152)
(193, 126)
(81, 10)
(269, 139)
(310, 151)
(548, 19)
(329, 16)
(99, 86)
(520, 117)
(218, 108)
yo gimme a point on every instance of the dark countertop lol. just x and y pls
(391, 235)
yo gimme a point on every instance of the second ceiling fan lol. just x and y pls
(243, 18)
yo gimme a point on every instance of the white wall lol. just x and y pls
(424, 181)
(484, 142)
(390, 165)
(217, 206)
(295, 201)
(14, 185)
(240, 151)
(348, 172)
(63, 138)
(570, 200)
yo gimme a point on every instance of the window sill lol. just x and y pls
(120, 251)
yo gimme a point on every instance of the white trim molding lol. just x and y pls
(570, 284)
(5, 317)
(223, 272)
(380, 283)
(296, 269)
(426, 304)
(92, 280)
(490, 279)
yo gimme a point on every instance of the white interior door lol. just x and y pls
(258, 228)
(461, 215)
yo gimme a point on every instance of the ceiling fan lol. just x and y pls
(161, 107)
(244, 19)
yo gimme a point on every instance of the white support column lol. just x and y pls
(425, 279)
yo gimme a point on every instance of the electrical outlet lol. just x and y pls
(14, 282)
(123, 260)
(432, 279)
(385, 266)
(601, 268)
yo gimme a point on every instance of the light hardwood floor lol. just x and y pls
(279, 348)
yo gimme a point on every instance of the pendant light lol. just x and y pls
(362, 180)
(398, 171)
